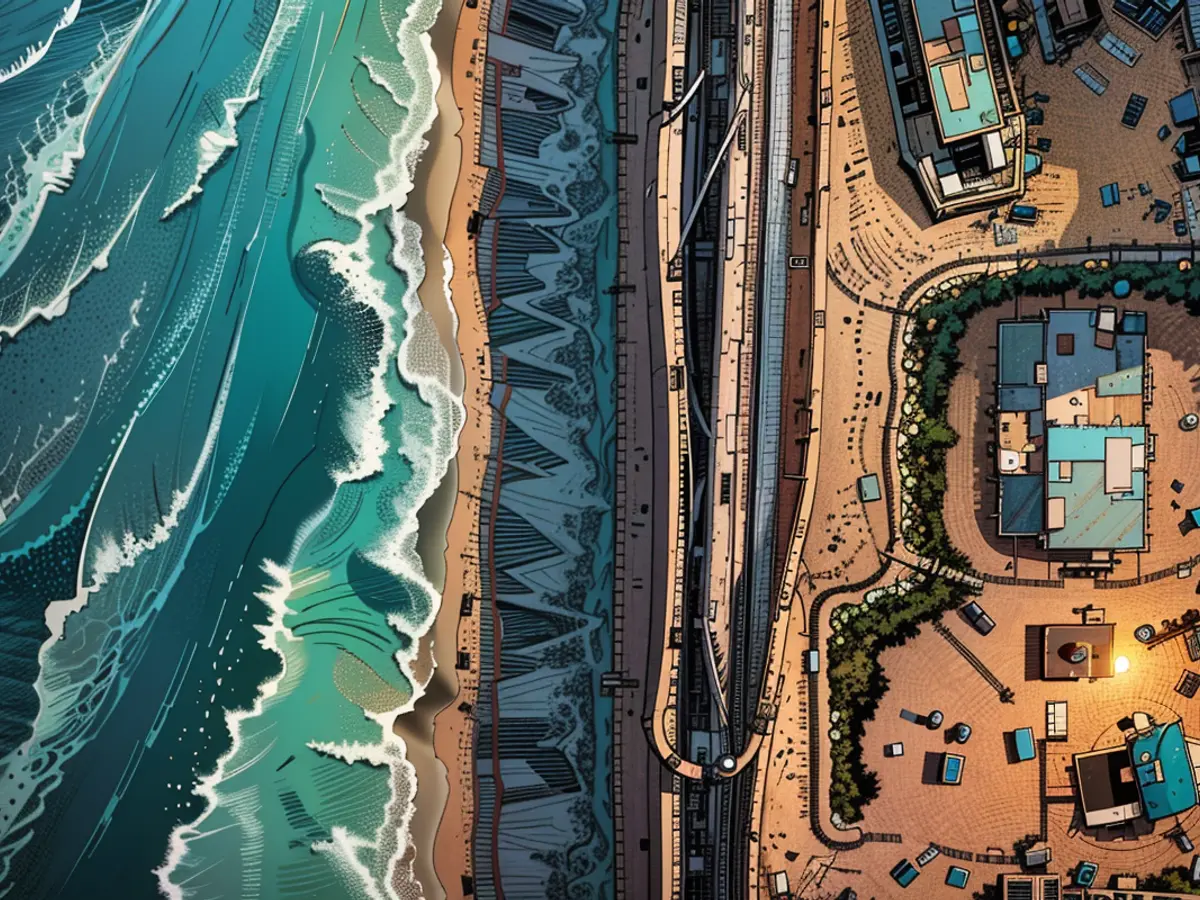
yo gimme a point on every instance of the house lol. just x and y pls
(1072, 446)
(1152, 774)
(960, 129)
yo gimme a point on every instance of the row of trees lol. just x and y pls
(886, 618)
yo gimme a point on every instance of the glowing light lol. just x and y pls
(1122, 664)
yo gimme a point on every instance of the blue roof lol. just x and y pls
(1086, 363)
(1094, 519)
(868, 488)
(1164, 771)
(1110, 194)
(1132, 323)
(1022, 504)
(1020, 399)
(957, 877)
(1085, 443)
(1183, 107)
(1131, 347)
(1020, 349)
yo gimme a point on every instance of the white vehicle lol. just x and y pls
(793, 171)
(928, 855)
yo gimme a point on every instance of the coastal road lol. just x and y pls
(641, 584)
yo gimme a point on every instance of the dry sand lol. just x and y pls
(439, 732)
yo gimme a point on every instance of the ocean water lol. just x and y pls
(222, 407)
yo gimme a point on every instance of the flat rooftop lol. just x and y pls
(1078, 651)
(1107, 790)
(959, 70)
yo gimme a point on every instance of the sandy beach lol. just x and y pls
(439, 731)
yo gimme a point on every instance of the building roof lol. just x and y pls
(1092, 643)
(1164, 771)
(1089, 504)
(956, 59)
(1086, 360)
(1022, 504)
(1183, 107)
(1107, 792)
(1020, 350)
(1069, 388)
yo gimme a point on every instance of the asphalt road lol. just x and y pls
(642, 474)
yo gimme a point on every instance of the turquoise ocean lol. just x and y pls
(222, 406)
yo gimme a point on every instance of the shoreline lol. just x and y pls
(437, 734)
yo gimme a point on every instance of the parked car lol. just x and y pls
(952, 768)
(961, 732)
(1038, 855)
(894, 749)
(904, 873)
(1085, 875)
(981, 621)
(957, 876)
(1183, 842)
(1024, 745)
(928, 855)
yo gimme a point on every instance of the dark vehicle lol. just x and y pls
(1183, 842)
(1023, 213)
(904, 873)
(961, 733)
(1085, 875)
(974, 614)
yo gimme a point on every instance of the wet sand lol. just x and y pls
(438, 732)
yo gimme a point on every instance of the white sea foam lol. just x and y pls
(51, 168)
(213, 144)
(78, 273)
(421, 361)
(34, 53)
(111, 556)
(277, 638)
